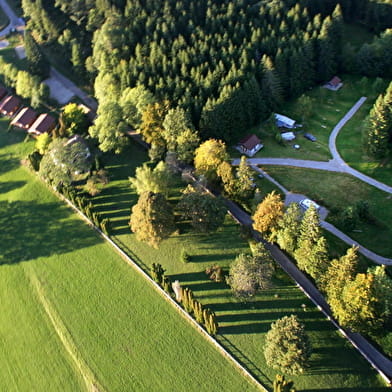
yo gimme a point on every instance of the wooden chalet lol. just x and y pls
(9, 105)
(24, 118)
(250, 145)
(44, 123)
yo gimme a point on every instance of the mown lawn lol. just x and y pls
(338, 191)
(335, 365)
(115, 322)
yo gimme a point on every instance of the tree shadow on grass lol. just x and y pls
(6, 187)
(31, 230)
(8, 163)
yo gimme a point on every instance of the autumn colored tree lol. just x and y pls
(208, 156)
(152, 219)
(268, 214)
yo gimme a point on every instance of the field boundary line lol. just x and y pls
(165, 295)
(91, 382)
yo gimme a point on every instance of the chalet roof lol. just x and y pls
(44, 123)
(284, 119)
(24, 118)
(3, 92)
(9, 104)
(335, 81)
(250, 142)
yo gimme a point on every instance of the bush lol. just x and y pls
(35, 159)
(184, 257)
(215, 273)
(105, 224)
(157, 273)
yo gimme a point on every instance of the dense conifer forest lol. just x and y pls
(228, 64)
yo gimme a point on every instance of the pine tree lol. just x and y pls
(287, 232)
(37, 63)
(378, 129)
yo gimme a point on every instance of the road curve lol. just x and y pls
(15, 21)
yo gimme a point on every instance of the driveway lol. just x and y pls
(15, 21)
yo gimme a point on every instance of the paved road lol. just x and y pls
(89, 101)
(15, 21)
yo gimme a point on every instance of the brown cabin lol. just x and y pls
(24, 118)
(9, 105)
(3, 92)
(44, 123)
(250, 145)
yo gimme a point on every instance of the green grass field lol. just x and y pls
(72, 310)
(242, 325)
(331, 190)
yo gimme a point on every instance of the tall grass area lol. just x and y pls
(334, 365)
(100, 316)
(331, 190)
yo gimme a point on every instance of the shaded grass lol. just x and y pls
(337, 191)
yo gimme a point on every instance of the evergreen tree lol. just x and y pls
(378, 129)
(37, 63)
(312, 253)
(287, 232)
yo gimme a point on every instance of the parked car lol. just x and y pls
(306, 203)
(310, 137)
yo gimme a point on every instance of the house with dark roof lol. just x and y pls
(24, 118)
(9, 105)
(334, 84)
(3, 92)
(250, 145)
(44, 123)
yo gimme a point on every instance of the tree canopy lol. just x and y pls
(152, 219)
(287, 346)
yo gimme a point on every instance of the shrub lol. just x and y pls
(105, 224)
(187, 299)
(184, 257)
(157, 273)
(198, 311)
(215, 273)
